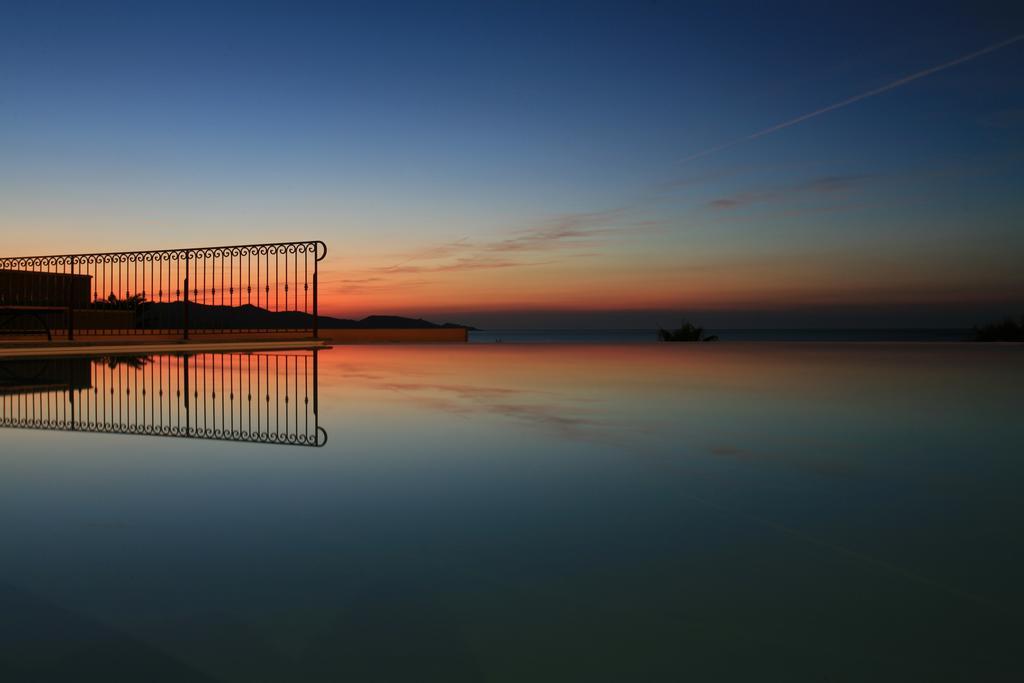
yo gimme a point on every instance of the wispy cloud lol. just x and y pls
(856, 98)
(828, 184)
(370, 285)
(461, 264)
(740, 199)
(567, 233)
(542, 240)
(560, 238)
(436, 251)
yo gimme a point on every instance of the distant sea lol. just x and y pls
(649, 335)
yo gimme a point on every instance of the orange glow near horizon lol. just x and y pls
(545, 271)
(591, 263)
(598, 285)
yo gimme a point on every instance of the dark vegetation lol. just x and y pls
(1008, 330)
(113, 303)
(687, 332)
(133, 362)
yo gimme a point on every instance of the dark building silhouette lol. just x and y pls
(36, 288)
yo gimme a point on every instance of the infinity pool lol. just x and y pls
(745, 512)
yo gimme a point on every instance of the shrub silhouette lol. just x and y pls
(113, 303)
(1008, 330)
(135, 362)
(687, 332)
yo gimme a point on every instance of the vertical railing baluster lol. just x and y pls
(71, 303)
(316, 272)
(186, 293)
(188, 413)
(316, 395)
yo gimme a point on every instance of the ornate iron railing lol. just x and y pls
(245, 397)
(253, 287)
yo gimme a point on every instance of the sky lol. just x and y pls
(521, 164)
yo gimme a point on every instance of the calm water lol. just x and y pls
(649, 335)
(516, 513)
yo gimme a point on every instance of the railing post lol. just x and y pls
(316, 313)
(186, 293)
(71, 395)
(71, 302)
(316, 270)
(188, 413)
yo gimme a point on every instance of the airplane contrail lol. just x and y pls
(857, 98)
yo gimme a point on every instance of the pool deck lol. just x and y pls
(59, 349)
(21, 347)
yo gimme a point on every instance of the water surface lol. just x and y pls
(646, 336)
(515, 512)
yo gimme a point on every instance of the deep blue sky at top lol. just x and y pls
(437, 120)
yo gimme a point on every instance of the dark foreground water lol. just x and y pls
(516, 513)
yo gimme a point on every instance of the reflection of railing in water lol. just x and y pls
(250, 397)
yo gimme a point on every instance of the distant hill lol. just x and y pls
(172, 315)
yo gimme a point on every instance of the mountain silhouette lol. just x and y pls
(152, 315)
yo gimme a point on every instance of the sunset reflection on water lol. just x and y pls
(503, 512)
